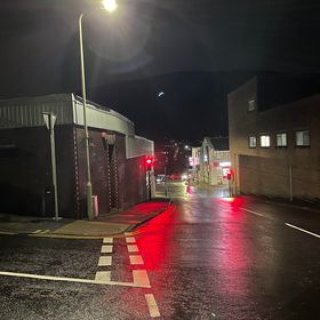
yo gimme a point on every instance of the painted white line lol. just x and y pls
(107, 240)
(152, 305)
(133, 248)
(131, 240)
(37, 231)
(7, 233)
(254, 212)
(45, 231)
(303, 230)
(140, 278)
(103, 276)
(136, 260)
(106, 249)
(51, 278)
(105, 261)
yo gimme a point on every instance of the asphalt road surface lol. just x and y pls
(208, 258)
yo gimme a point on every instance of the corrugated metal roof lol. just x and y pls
(101, 117)
(27, 112)
(138, 146)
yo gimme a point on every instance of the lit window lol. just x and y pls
(282, 140)
(302, 138)
(265, 141)
(252, 142)
(251, 104)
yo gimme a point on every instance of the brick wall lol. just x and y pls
(118, 182)
(25, 172)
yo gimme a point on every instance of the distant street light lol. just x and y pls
(110, 6)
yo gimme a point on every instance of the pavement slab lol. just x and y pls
(103, 226)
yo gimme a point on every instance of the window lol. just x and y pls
(251, 104)
(265, 141)
(302, 138)
(252, 142)
(281, 140)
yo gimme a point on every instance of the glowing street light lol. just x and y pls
(110, 6)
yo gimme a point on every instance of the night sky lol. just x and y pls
(195, 51)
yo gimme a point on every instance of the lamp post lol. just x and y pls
(110, 6)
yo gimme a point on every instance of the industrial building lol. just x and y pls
(118, 173)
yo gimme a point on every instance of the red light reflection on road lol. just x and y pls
(154, 244)
(189, 189)
(235, 203)
(235, 258)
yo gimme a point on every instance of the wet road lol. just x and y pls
(206, 258)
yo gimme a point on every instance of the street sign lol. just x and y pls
(49, 119)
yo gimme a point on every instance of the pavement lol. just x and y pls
(103, 226)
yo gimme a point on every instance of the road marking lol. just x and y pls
(137, 284)
(152, 305)
(254, 212)
(106, 249)
(136, 260)
(133, 248)
(107, 240)
(41, 231)
(303, 230)
(7, 233)
(140, 278)
(103, 276)
(37, 231)
(105, 261)
(130, 240)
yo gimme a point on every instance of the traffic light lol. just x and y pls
(230, 174)
(148, 163)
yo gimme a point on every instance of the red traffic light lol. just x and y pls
(149, 163)
(230, 174)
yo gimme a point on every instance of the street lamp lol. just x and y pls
(110, 6)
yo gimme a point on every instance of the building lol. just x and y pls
(275, 149)
(116, 155)
(195, 163)
(214, 160)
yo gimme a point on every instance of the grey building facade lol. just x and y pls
(116, 156)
